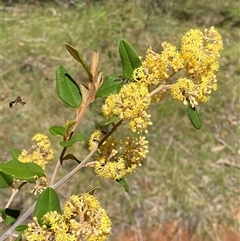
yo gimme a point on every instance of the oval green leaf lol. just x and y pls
(129, 57)
(22, 171)
(19, 238)
(109, 86)
(57, 130)
(47, 201)
(21, 228)
(5, 180)
(76, 138)
(194, 117)
(15, 153)
(67, 89)
(9, 220)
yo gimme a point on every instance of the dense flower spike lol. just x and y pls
(83, 219)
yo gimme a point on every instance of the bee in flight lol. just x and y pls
(122, 80)
(17, 100)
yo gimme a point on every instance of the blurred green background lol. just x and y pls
(189, 174)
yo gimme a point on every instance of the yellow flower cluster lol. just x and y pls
(95, 138)
(196, 64)
(117, 158)
(200, 52)
(157, 68)
(188, 73)
(130, 104)
(83, 219)
(41, 153)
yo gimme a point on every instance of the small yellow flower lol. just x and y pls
(35, 232)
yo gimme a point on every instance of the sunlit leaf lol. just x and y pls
(129, 57)
(47, 201)
(67, 89)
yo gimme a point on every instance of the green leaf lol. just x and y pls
(47, 201)
(124, 184)
(5, 180)
(67, 89)
(69, 125)
(109, 121)
(109, 86)
(76, 138)
(9, 220)
(21, 228)
(19, 238)
(22, 171)
(79, 58)
(129, 57)
(194, 117)
(15, 153)
(9, 215)
(57, 130)
(106, 126)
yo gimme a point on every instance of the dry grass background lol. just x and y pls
(189, 175)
